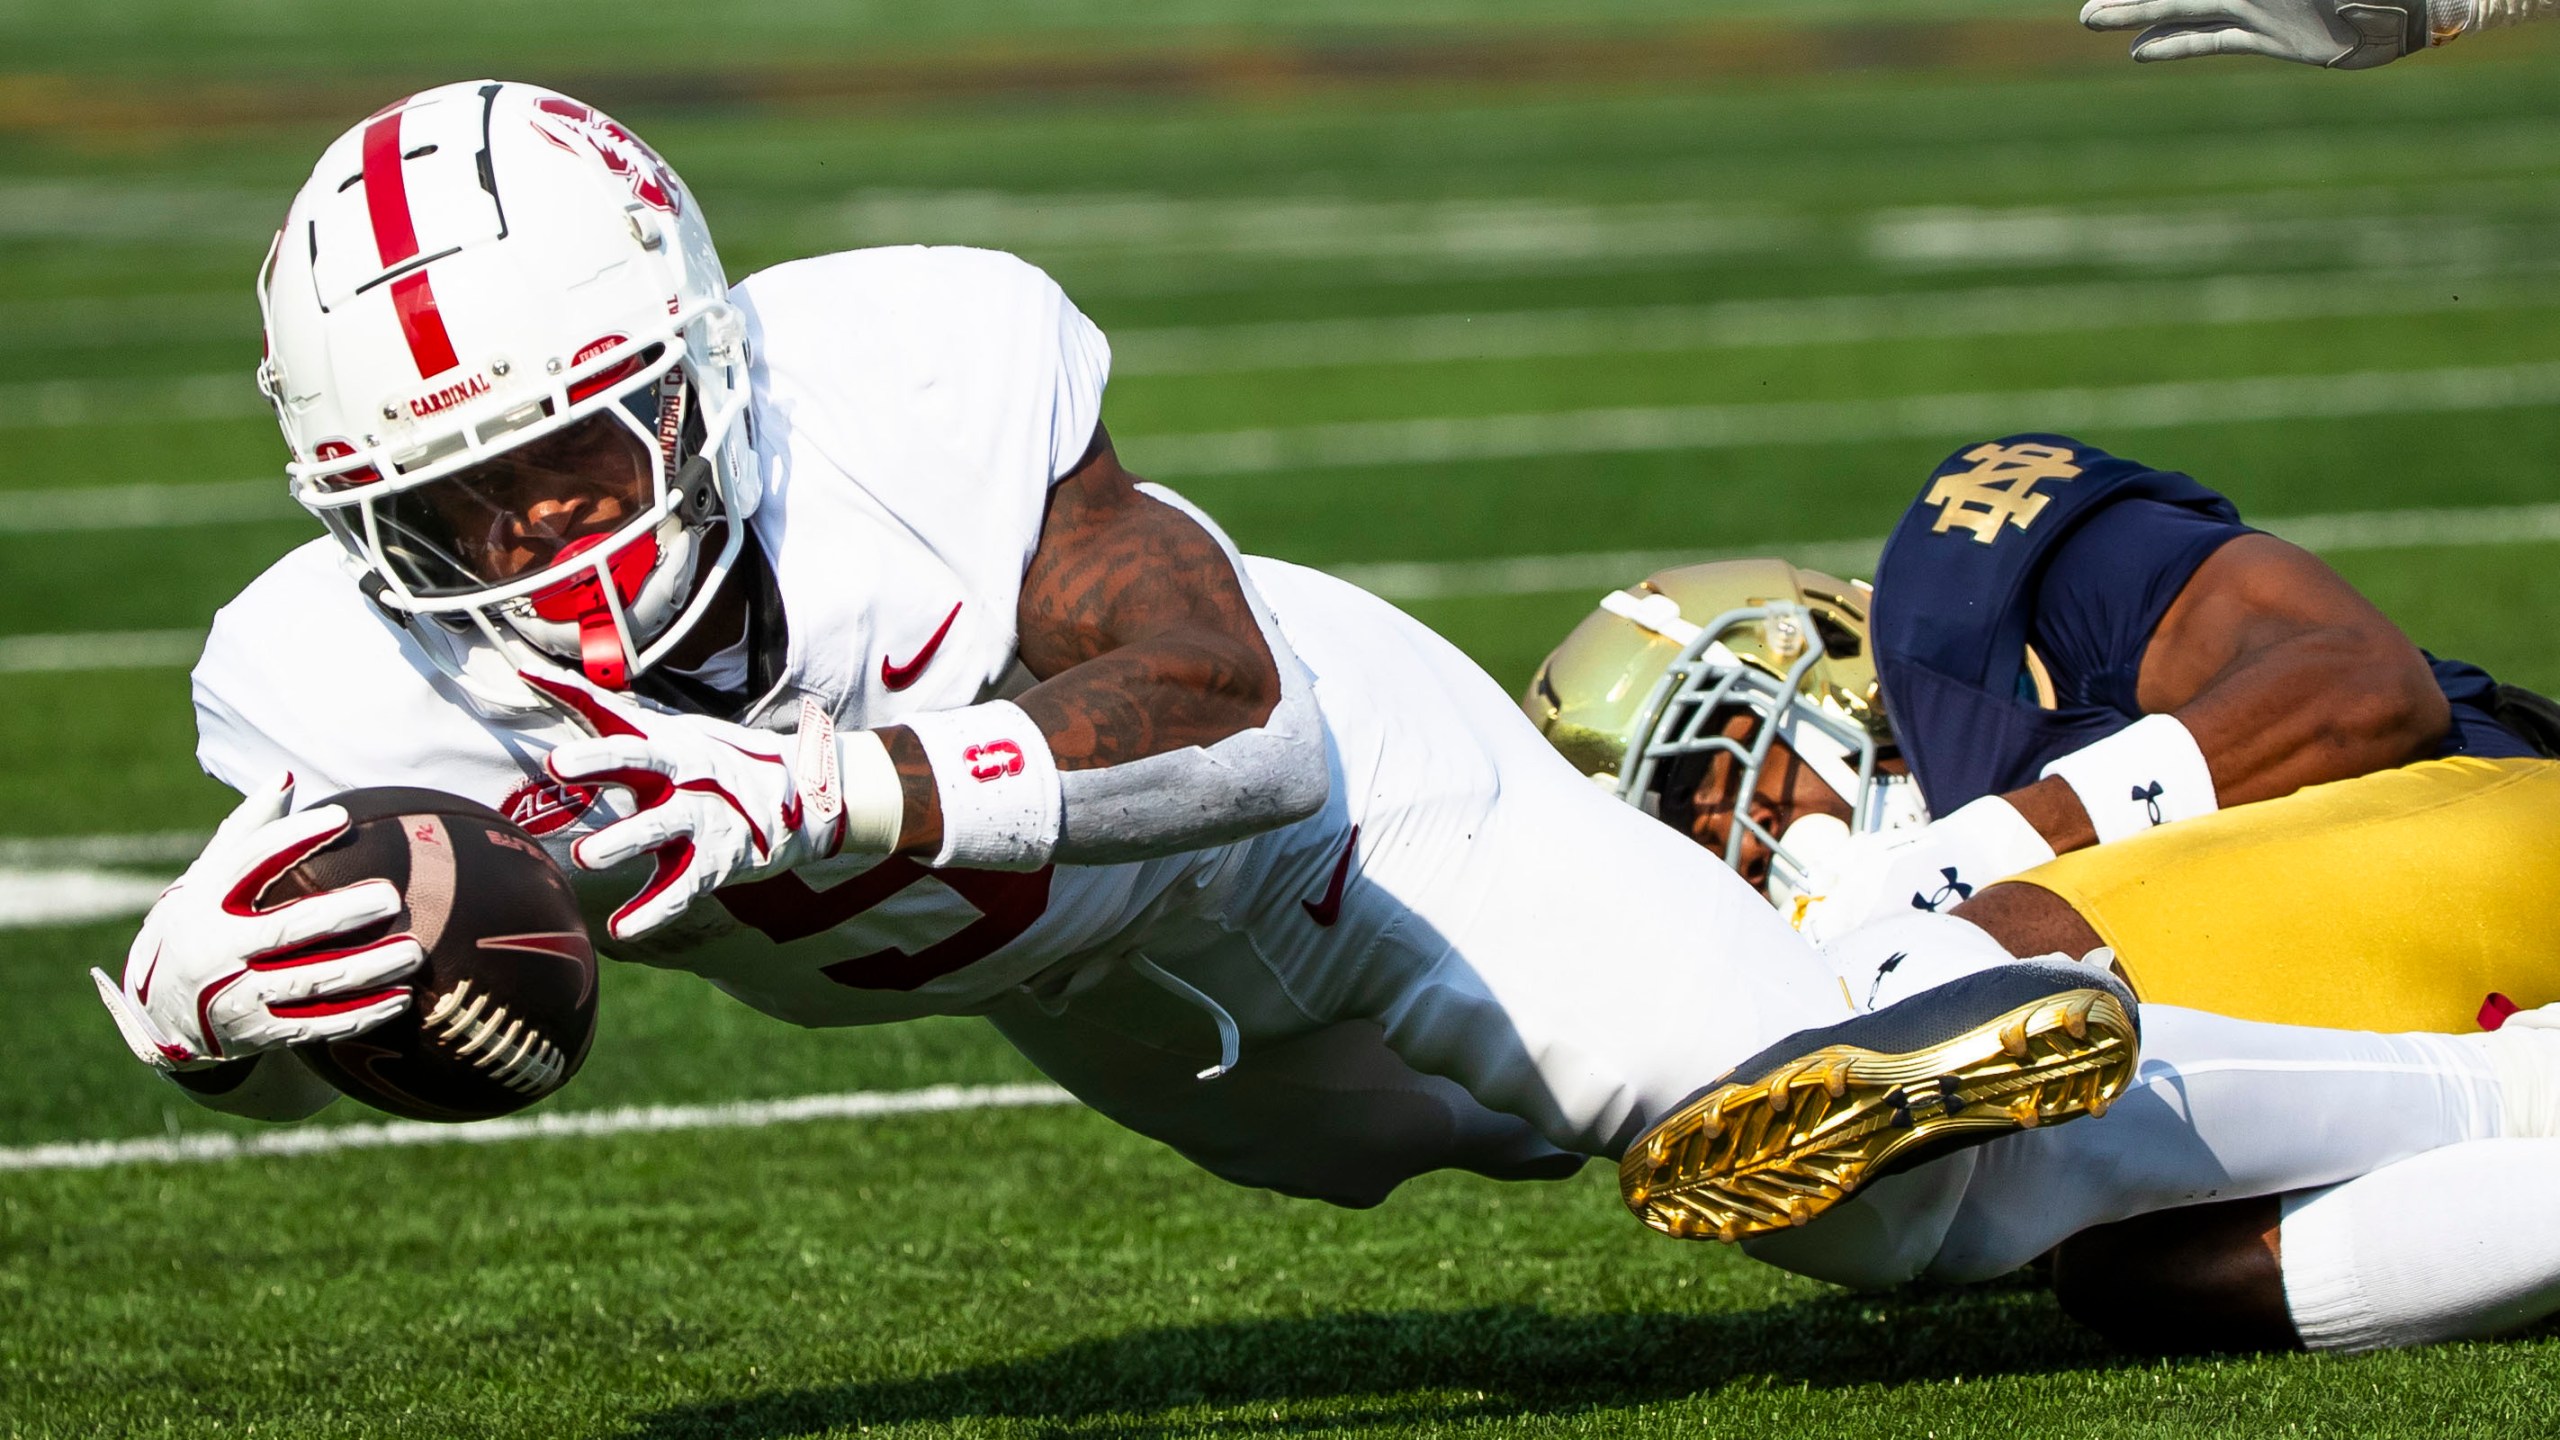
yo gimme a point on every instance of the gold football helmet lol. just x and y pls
(1638, 695)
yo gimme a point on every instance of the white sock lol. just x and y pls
(2222, 1109)
(2450, 1245)
(1894, 959)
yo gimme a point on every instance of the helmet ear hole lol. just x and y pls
(696, 496)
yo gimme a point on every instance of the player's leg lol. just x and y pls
(1597, 967)
(2454, 1244)
(2198, 1278)
(2449, 868)
(1331, 1115)
(2229, 1108)
(2451, 864)
(1567, 960)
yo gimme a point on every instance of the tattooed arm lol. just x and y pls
(1177, 714)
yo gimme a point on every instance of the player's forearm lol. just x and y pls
(2322, 706)
(1174, 743)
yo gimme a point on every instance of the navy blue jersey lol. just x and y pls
(2014, 601)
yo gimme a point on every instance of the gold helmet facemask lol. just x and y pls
(1791, 653)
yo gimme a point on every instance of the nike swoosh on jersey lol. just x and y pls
(899, 677)
(1329, 909)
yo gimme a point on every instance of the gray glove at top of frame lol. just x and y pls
(2339, 34)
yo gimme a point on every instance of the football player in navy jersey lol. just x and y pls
(2139, 725)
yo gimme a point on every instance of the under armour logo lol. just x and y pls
(1955, 892)
(2149, 795)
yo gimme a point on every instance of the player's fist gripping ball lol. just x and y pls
(506, 1004)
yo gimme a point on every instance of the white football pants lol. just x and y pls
(1518, 971)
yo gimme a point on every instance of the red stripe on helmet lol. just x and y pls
(423, 324)
(395, 240)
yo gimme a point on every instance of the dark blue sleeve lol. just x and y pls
(2105, 589)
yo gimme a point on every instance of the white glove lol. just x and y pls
(1933, 867)
(715, 802)
(213, 978)
(2338, 34)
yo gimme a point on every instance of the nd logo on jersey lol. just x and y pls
(1999, 490)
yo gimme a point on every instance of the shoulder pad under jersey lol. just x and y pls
(1951, 615)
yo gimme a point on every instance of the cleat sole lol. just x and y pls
(1747, 1158)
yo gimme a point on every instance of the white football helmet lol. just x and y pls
(500, 346)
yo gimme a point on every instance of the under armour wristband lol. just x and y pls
(1988, 839)
(998, 783)
(2149, 773)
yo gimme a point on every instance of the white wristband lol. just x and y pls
(998, 783)
(848, 786)
(2149, 773)
(1990, 841)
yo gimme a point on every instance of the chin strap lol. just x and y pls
(600, 651)
(582, 601)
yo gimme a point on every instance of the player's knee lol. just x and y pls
(2028, 919)
(2203, 1278)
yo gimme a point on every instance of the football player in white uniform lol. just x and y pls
(817, 623)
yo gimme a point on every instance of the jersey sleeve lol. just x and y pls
(954, 386)
(2105, 590)
(300, 675)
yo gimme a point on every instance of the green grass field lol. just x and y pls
(1291, 217)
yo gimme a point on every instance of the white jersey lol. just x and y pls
(913, 407)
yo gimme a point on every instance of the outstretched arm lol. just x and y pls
(1170, 715)
(1176, 715)
(2266, 674)
(2284, 675)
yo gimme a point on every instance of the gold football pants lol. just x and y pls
(2398, 900)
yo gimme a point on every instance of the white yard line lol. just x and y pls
(171, 848)
(1526, 334)
(45, 404)
(70, 897)
(144, 507)
(1407, 580)
(2338, 533)
(1632, 430)
(551, 1125)
(1808, 320)
(100, 650)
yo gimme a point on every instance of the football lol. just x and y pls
(506, 1004)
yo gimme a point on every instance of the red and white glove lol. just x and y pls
(212, 977)
(1933, 867)
(714, 802)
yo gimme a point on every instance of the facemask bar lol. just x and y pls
(362, 532)
(1684, 710)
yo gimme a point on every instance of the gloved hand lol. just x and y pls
(1933, 867)
(211, 977)
(2338, 34)
(715, 802)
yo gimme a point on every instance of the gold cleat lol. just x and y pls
(1805, 1124)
